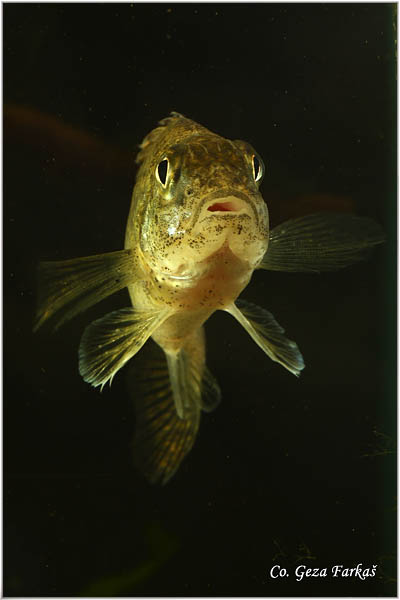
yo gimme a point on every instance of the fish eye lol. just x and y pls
(162, 171)
(258, 168)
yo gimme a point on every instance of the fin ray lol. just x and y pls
(211, 392)
(162, 439)
(166, 428)
(321, 242)
(192, 384)
(108, 343)
(69, 287)
(268, 334)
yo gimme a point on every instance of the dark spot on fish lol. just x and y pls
(177, 174)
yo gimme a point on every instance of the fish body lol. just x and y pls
(197, 229)
(199, 233)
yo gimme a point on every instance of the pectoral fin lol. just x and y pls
(268, 334)
(321, 242)
(69, 287)
(108, 343)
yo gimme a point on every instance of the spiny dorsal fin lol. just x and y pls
(155, 134)
(321, 242)
(108, 343)
(161, 136)
(69, 287)
(268, 334)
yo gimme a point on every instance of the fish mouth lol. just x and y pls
(225, 205)
(233, 205)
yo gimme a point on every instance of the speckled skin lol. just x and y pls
(193, 260)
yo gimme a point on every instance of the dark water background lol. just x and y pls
(287, 471)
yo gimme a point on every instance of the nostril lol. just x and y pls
(223, 207)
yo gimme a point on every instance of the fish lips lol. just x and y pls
(226, 205)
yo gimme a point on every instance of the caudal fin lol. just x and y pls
(162, 439)
(166, 427)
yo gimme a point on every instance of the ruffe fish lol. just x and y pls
(198, 228)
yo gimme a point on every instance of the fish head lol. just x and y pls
(201, 198)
